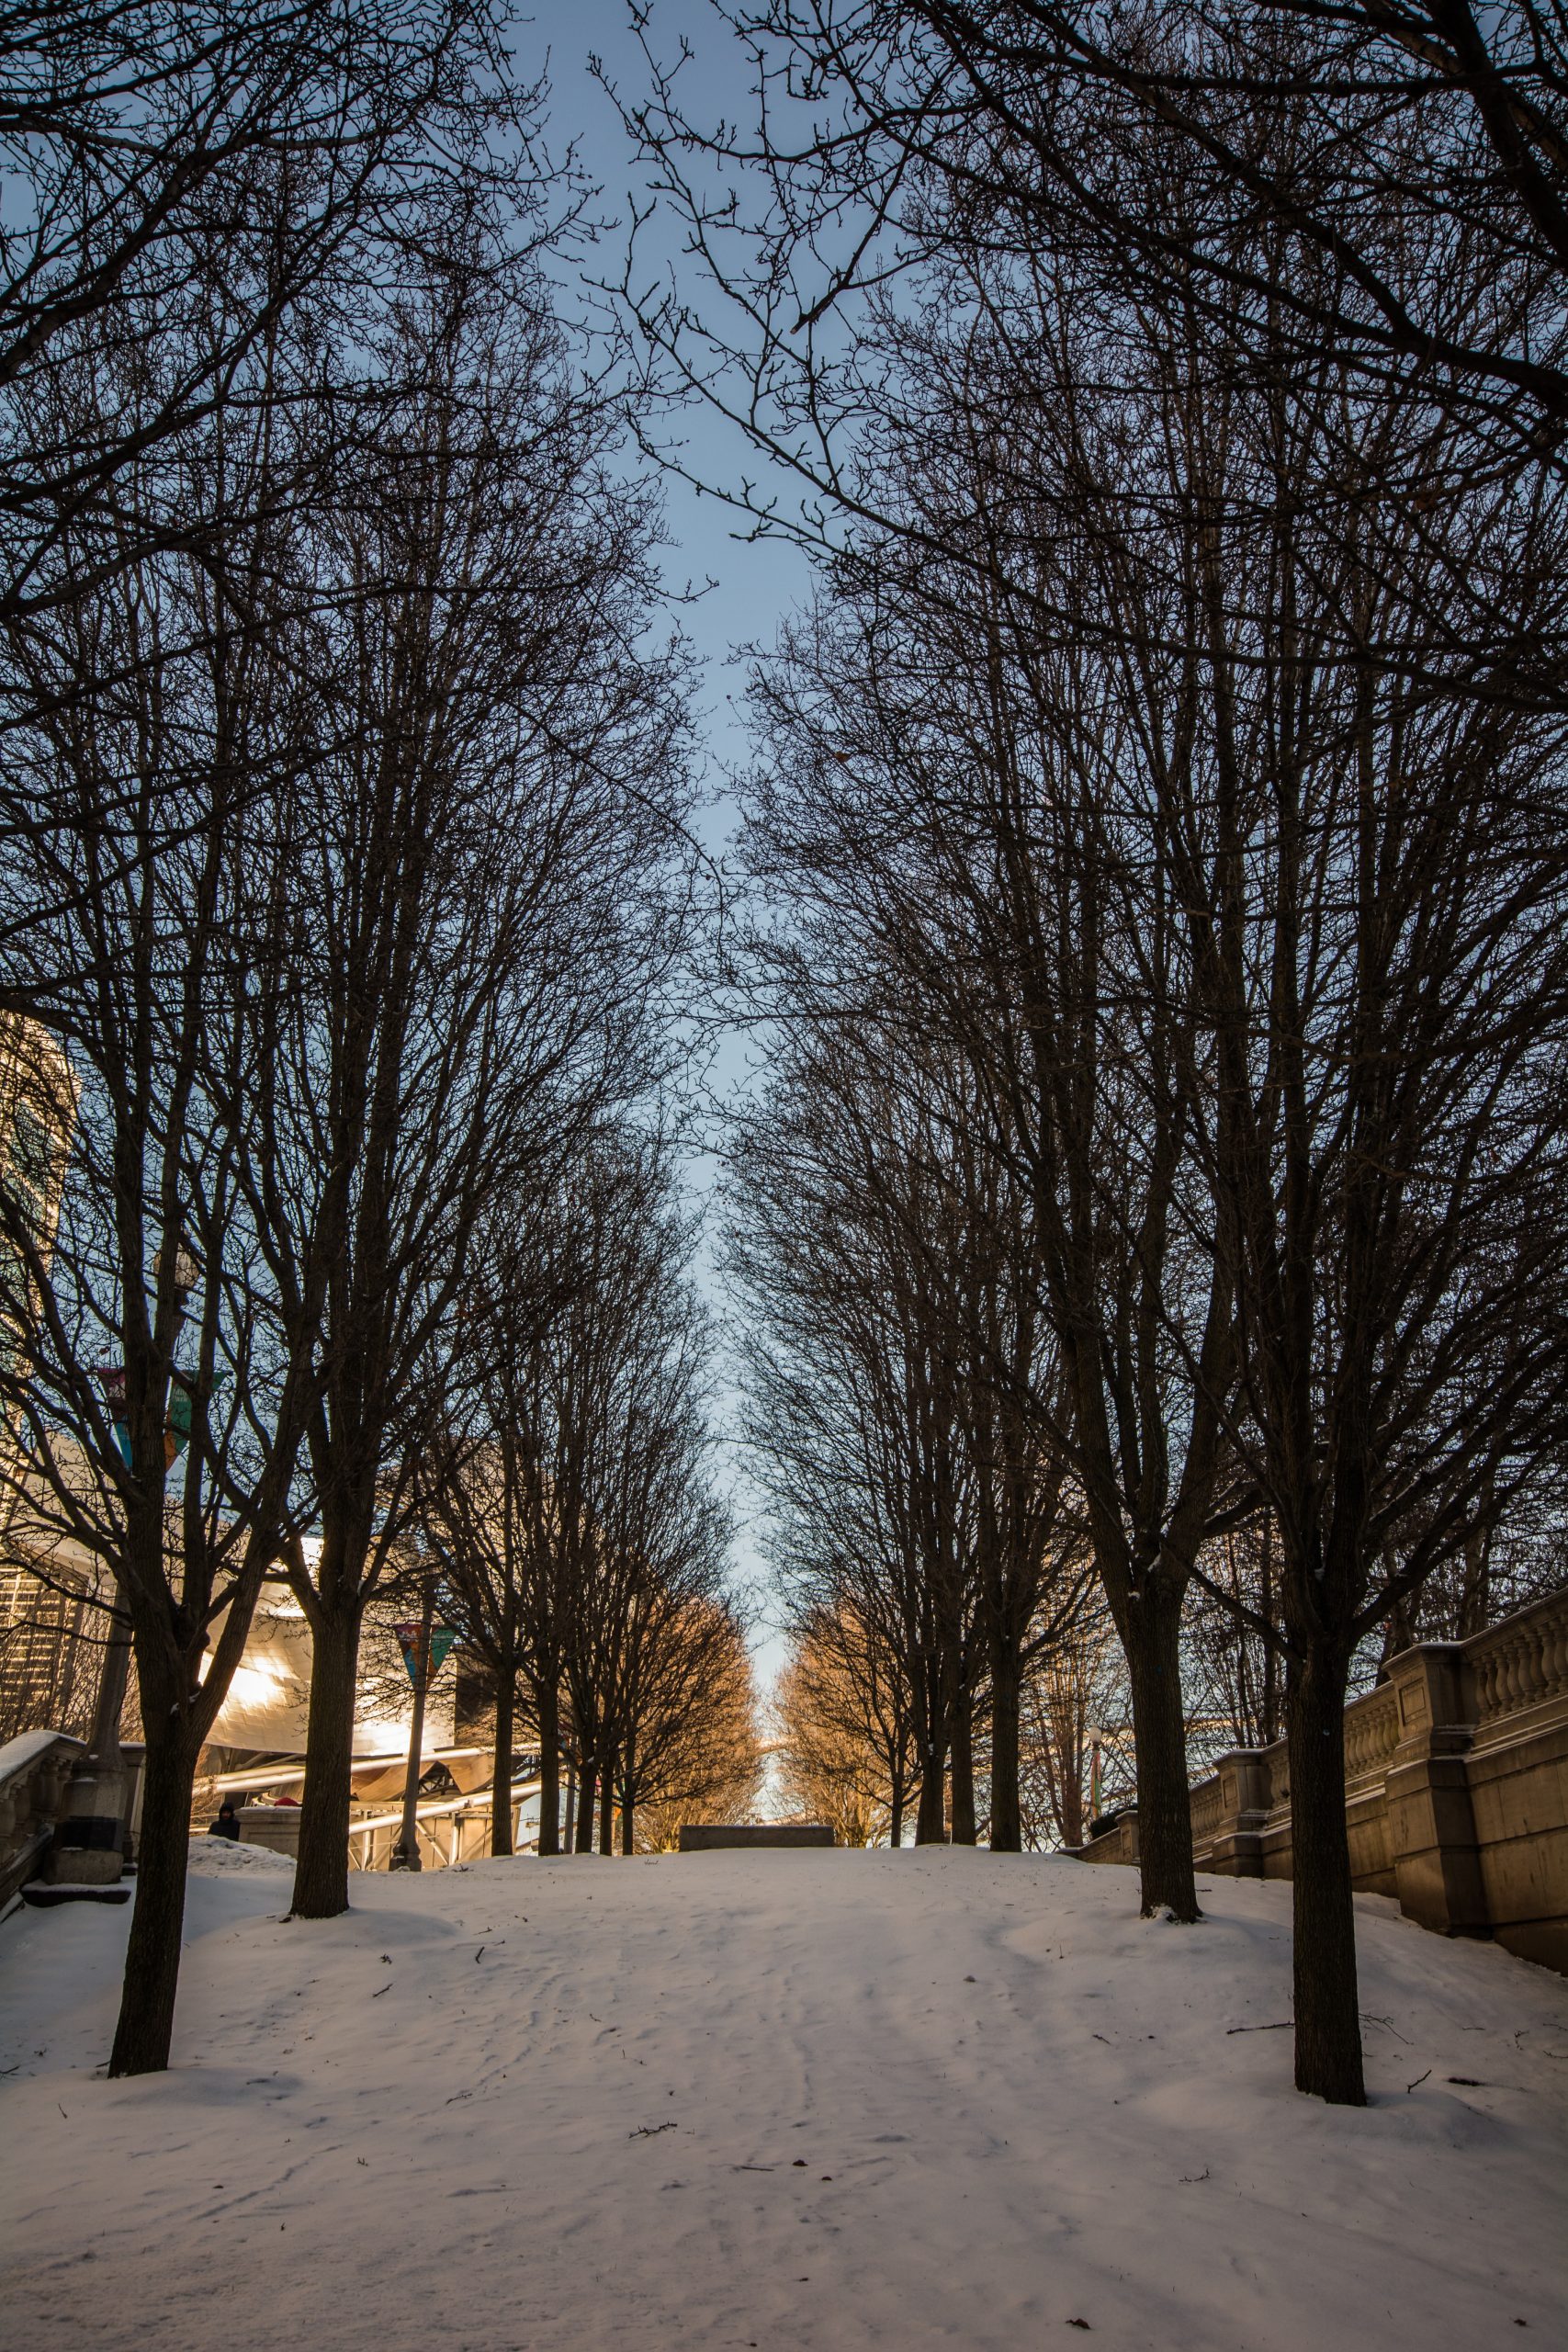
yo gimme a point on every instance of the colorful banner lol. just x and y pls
(177, 1420)
(441, 1640)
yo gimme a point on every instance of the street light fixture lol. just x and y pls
(187, 1271)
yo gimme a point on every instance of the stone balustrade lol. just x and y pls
(33, 1772)
(1456, 1790)
(36, 1819)
(1519, 1665)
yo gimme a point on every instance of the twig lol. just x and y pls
(1281, 2025)
(1417, 2082)
(651, 2130)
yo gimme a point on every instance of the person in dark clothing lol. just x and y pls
(228, 1821)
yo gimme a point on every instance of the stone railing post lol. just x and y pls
(1431, 1821)
(1237, 1848)
(15, 1809)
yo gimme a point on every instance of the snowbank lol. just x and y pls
(222, 1857)
(813, 2102)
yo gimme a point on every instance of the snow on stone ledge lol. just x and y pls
(19, 1754)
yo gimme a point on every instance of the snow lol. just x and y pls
(809, 2101)
(213, 1856)
(18, 1754)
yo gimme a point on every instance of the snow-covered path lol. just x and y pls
(789, 2099)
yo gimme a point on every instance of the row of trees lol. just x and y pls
(834, 1697)
(566, 1502)
(343, 860)
(902, 1374)
(1162, 803)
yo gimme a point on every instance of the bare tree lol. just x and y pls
(566, 1491)
(1388, 915)
(569, 1390)
(1077, 1691)
(707, 1763)
(905, 1390)
(845, 1744)
(466, 1516)
(648, 1611)
(157, 1418)
(1035, 118)
(943, 802)
(1264, 548)
(158, 150)
(475, 872)
(690, 1748)
(200, 453)
(1384, 184)
(853, 1383)
(1238, 1674)
(478, 1479)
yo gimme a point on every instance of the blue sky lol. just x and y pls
(754, 584)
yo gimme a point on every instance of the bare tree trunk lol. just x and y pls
(896, 1812)
(1475, 1598)
(1153, 1643)
(931, 1824)
(588, 1781)
(500, 1779)
(153, 1953)
(962, 1770)
(1328, 2030)
(629, 1845)
(320, 1875)
(607, 1806)
(1007, 1818)
(1072, 1822)
(548, 1706)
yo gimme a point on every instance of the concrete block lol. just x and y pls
(701, 1836)
(276, 1827)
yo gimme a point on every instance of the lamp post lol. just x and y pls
(424, 1648)
(404, 1855)
(1095, 1737)
(1100, 1739)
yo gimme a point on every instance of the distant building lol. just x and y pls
(50, 1634)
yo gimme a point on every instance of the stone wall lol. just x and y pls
(1456, 1790)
